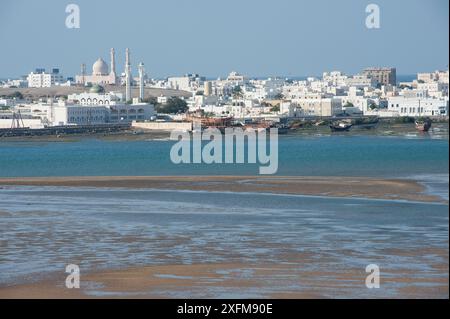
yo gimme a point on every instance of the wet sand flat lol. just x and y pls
(285, 281)
(374, 188)
(134, 239)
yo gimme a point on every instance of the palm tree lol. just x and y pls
(237, 92)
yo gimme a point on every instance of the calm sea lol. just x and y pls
(46, 228)
(42, 229)
(310, 155)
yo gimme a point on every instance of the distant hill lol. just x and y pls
(57, 91)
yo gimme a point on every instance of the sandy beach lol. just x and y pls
(374, 188)
(203, 280)
(298, 271)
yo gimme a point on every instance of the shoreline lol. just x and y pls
(345, 187)
(219, 280)
(301, 274)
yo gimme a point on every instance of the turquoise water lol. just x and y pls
(42, 229)
(309, 156)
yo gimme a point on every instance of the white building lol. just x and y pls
(179, 83)
(198, 102)
(91, 98)
(162, 99)
(417, 106)
(360, 81)
(120, 113)
(235, 78)
(7, 102)
(78, 115)
(100, 72)
(434, 89)
(8, 120)
(15, 83)
(436, 76)
(44, 80)
(189, 82)
(75, 114)
(319, 106)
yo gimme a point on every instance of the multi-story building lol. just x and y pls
(434, 89)
(384, 76)
(189, 82)
(436, 76)
(360, 81)
(319, 106)
(42, 79)
(179, 83)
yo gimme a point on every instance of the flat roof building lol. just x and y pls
(384, 76)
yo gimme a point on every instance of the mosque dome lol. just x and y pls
(100, 67)
(96, 89)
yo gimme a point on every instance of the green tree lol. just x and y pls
(348, 104)
(174, 105)
(373, 106)
(237, 92)
(275, 108)
(151, 100)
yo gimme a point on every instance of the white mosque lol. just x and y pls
(100, 73)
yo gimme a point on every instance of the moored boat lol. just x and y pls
(341, 126)
(423, 125)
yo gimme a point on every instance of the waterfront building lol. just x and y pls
(361, 103)
(78, 115)
(8, 119)
(418, 106)
(319, 106)
(75, 114)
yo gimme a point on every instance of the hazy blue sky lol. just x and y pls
(212, 37)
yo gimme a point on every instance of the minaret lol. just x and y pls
(127, 76)
(141, 82)
(83, 74)
(113, 64)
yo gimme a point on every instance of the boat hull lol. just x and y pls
(337, 128)
(423, 126)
